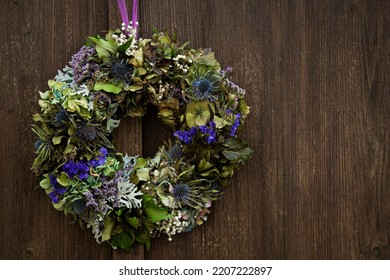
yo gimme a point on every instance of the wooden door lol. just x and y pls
(317, 79)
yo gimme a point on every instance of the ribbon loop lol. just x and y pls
(125, 15)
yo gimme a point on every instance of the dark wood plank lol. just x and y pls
(335, 125)
(41, 37)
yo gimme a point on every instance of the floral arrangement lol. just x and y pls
(130, 199)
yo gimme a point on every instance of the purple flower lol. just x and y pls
(57, 189)
(73, 169)
(235, 125)
(82, 64)
(104, 198)
(209, 132)
(185, 136)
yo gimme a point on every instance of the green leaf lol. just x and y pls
(102, 53)
(144, 238)
(57, 140)
(204, 165)
(45, 183)
(63, 180)
(237, 150)
(105, 44)
(69, 149)
(123, 48)
(107, 231)
(139, 56)
(133, 221)
(107, 87)
(123, 240)
(153, 211)
(143, 174)
(135, 87)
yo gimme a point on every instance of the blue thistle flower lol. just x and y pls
(181, 192)
(61, 117)
(122, 71)
(175, 153)
(38, 143)
(87, 133)
(78, 206)
(204, 88)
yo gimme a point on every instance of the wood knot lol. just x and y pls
(376, 251)
(29, 253)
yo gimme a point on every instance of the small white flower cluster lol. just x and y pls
(172, 225)
(127, 33)
(179, 63)
(163, 89)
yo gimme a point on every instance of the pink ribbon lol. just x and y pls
(125, 16)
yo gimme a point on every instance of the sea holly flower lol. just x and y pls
(121, 71)
(86, 132)
(175, 153)
(204, 89)
(181, 192)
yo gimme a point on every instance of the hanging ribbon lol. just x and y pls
(125, 16)
(134, 15)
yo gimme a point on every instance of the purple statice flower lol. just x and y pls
(79, 169)
(100, 160)
(186, 136)
(227, 71)
(236, 124)
(103, 199)
(209, 132)
(57, 189)
(82, 64)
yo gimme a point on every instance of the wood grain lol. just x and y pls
(317, 76)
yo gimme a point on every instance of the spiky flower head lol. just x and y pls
(181, 192)
(175, 153)
(87, 132)
(122, 71)
(204, 88)
(61, 117)
(38, 143)
(78, 206)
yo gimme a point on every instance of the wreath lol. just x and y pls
(130, 199)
